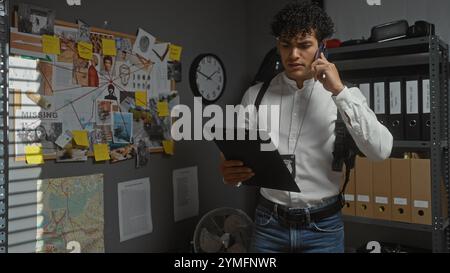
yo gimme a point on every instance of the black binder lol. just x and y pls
(413, 119)
(396, 109)
(426, 109)
(380, 102)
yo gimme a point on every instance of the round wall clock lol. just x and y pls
(207, 77)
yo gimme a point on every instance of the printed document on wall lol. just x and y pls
(135, 215)
(185, 196)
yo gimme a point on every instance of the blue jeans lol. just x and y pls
(270, 236)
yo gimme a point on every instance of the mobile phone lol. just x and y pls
(322, 49)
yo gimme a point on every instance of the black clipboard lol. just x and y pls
(269, 167)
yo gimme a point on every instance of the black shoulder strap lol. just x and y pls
(261, 94)
(339, 144)
(345, 151)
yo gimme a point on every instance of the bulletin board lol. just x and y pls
(85, 92)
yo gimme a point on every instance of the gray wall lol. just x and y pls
(200, 26)
(354, 18)
(260, 15)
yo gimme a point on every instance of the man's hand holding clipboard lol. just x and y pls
(243, 161)
(234, 171)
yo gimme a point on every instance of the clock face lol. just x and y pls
(207, 77)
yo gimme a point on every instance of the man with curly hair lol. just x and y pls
(310, 93)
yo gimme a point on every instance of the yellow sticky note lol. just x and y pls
(175, 52)
(168, 146)
(85, 50)
(33, 155)
(109, 47)
(81, 138)
(163, 109)
(141, 98)
(51, 45)
(101, 152)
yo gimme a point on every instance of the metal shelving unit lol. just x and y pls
(4, 53)
(402, 58)
(385, 223)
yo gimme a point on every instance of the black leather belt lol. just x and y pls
(300, 216)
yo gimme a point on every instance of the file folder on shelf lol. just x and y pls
(382, 190)
(396, 110)
(401, 189)
(426, 110)
(413, 119)
(380, 102)
(421, 191)
(363, 175)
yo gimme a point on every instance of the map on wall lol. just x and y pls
(71, 213)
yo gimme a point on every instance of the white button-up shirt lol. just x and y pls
(314, 175)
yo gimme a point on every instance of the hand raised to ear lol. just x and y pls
(328, 74)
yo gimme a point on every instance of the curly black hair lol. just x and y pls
(302, 18)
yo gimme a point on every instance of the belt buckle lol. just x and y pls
(302, 219)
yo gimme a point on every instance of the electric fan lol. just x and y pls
(223, 230)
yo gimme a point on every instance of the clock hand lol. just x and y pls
(215, 81)
(198, 71)
(210, 77)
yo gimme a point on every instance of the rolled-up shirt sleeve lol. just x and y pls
(371, 137)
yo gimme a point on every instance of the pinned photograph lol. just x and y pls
(124, 49)
(111, 93)
(159, 127)
(142, 154)
(174, 71)
(64, 139)
(96, 40)
(104, 112)
(102, 134)
(144, 44)
(94, 67)
(84, 31)
(142, 125)
(122, 127)
(127, 101)
(107, 68)
(80, 71)
(68, 38)
(122, 152)
(70, 153)
(44, 132)
(36, 20)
